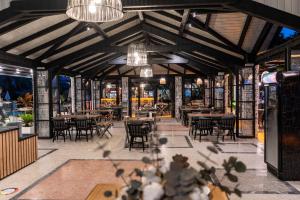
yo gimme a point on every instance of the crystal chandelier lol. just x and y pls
(146, 72)
(137, 55)
(95, 10)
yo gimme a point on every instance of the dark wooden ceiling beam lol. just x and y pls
(267, 13)
(48, 44)
(11, 59)
(92, 73)
(262, 37)
(245, 30)
(184, 21)
(112, 69)
(98, 29)
(38, 34)
(95, 47)
(200, 37)
(170, 69)
(8, 15)
(207, 21)
(70, 34)
(214, 33)
(128, 5)
(219, 55)
(15, 25)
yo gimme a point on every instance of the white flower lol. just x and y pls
(149, 176)
(153, 191)
(199, 194)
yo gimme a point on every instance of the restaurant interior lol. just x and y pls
(152, 100)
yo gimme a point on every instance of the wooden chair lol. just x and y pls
(103, 124)
(137, 130)
(227, 123)
(60, 128)
(83, 125)
(204, 126)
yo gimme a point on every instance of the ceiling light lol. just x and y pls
(17, 71)
(146, 72)
(137, 55)
(95, 10)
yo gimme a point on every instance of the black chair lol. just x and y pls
(204, 126)
(227, 123)
(83, 125)
(137, 130)
(61, 128)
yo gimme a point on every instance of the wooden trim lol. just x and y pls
(16, 153)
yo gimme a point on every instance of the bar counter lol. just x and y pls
(16, 151)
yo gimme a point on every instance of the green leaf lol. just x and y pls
(163, 141)
(136, 184)
(138, 172)
(108, 194)
(237, 192)
(203, 165)
(119, 172)
(232, 177)
(106, 154)
(146, 160)
(213, 149)
(225, 189)
(240, 167)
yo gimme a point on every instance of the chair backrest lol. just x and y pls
(59, 124)
(135, 129)
(83, 123)
(227, 122)
(204, 123)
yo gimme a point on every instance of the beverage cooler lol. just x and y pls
(282, 124)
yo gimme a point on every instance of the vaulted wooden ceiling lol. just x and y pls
(197, 37)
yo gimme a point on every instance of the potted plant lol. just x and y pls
(177, 180)
(27, 120)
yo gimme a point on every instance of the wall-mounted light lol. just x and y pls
(199, 81)
(162, 81)
(17, 71)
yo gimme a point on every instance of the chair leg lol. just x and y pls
(54, 132)
(200, 135)
(143, 144)
(70, 134)
(86, 135)
(64, 135)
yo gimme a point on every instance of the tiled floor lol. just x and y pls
(256, 183)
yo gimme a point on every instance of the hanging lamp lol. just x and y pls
(95, 10)
(137, 55)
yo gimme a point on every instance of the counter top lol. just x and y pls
(7, 128)
(4, 129)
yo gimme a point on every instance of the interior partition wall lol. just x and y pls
(42, 103)
(219, 93)
(246, 101)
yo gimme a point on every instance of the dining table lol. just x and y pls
(212, 116)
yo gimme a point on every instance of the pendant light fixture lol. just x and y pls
(95, 10)
(146, 72)
(137, 55)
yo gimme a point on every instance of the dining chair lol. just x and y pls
(61, 128)
(83, 125)
(227, 124)
(137, 130)
(204, 126)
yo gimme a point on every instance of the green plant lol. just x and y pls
(178, 180)
(27, 119)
